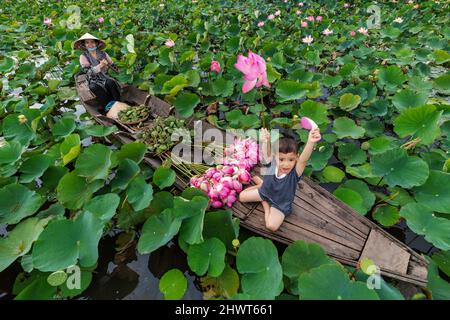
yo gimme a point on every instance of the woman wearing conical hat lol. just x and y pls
(95, 64)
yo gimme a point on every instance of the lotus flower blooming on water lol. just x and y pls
(224, 182)
(169, 43)
(271, 17)
(47, 21)
(254, 69)
(310, 18)
(308, 40)
(300, 4)
(277, 13)
(215, 66)
(363, 31)
(327, 32)
(398, 20)
(260, 24)
(308, 123)
(319, 18)
(352, 33)
(346, 5)
(304, 24)
(101, 20)
(298, 12)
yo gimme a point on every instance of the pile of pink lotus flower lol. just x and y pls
(223, 183)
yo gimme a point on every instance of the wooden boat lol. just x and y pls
(318, 216)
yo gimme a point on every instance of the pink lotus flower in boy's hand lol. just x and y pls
(308, 124)
(215, 66)
(254, 69)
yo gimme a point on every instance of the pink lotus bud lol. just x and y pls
(228, 170)
(308, 124)
(47, 21)
(271, 17)
(217, 204)
(215, 66)
(277, 13)
(260, 24)
(298, 12)
(319, 18)
(352, 33)
(237, 186)
(244, 177)
(101, 20)
(310, 18)
(304, 24)
(204, 186)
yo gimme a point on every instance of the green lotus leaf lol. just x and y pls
(380, 144)
(63, 127)
(185, 103)
(363, 190)
(321, 155)
(331, 282)
(19, 240)
(409, 99)
(13, 129)
(257, 261)
(139, 193)
(288, 90)
(57, 278)
(73, 191)
(391, 77)
(6, 64)
(157, 231)
(70, 148)
(399, 169)
(173, 285)
(345, 127)
(352, 198)
(64, 242)
(134, 151)
(385, 291)
(207, 257)
(174, 85)
(442, 83)
(349, 101)
(374, 128)
(387, 215)
(226, 285)
(350, 154)
(221, 224)
(435, 193)
(420, 122)
(103, 206)
(300, 257)
(423, 221)
(442, 260)
(18, 202)
(316, 111)
(96, 130)
(10, 151)
(440, 289)
(94, 162)
(33, 287)
(34, 167)
(126, 172)
(164, 177)
(333, 174)
(222, 87)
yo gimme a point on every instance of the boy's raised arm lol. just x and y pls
(265, 146)
(313, 137)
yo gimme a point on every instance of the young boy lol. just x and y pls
(276, 190)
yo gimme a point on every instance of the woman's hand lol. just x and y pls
(314, 135)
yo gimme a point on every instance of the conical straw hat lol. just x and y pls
(79, 44)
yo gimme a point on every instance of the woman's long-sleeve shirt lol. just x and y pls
(86, 64)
